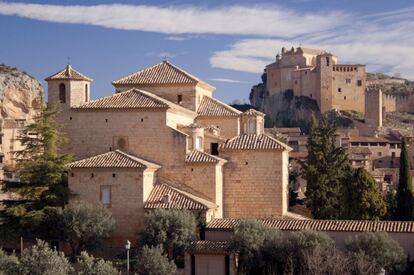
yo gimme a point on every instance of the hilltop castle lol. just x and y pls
(315, 73)
(163, 141)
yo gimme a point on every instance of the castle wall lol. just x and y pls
(229, 126)
(126, 190)
(398, 103)
(373, 108)
(255, 183)
(305, 83)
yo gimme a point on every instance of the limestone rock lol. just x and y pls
(19, 93)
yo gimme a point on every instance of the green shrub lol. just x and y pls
(153, 261)
(378, 247)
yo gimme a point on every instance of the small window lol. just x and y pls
(198, 144)
(106, 120)
(106, 195)
(310, 95)
(344, 97)
(122, 143)
(179, 98)
(92, 175)
(1, 138)
(339, 90)
(70, 118)
(72, 175)
(62, 93)
(393, 154)
(214, 149)
(359, 83)
(1, 159)
(142, 120)
(246, 163)
(114, 175)
(379, 154)
(327, 61)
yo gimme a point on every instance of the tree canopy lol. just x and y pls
(84, 225)
(172, 229)
(154, 261)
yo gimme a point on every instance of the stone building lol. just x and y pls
(315, 73)
(163, 141)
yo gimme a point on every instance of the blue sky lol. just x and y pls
(226, 43)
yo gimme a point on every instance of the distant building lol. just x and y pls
(315, 73)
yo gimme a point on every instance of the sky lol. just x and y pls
(225, 43)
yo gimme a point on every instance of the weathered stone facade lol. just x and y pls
(165, 118)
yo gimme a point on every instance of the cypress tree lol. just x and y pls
(404, 211)
(41, 170)
(324, 170)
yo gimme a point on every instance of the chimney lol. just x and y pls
(166, 199)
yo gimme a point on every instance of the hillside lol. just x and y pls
(389, 84)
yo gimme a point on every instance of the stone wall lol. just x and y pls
(229, 126)
(255, 183)
(126, 196)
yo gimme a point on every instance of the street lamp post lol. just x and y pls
(128, 247)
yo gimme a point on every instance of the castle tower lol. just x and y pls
(324, 65)
(373, 107)
(68, 88)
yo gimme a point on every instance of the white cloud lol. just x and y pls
(257, 20)
(228, 80)
(384, 44)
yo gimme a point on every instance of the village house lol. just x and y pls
(163, 141)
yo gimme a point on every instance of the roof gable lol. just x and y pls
(199, 156)
(178, 199)
(113, 159)
(133, 98)
(253, 142)
(68, 73)
(161, 73)
(212, 107)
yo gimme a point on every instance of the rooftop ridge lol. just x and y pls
(113, 159)
(322, 225)
(68, 73)
(158, 74)
(207, 108)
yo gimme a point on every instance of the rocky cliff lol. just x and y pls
(19, 93)
(284, 109)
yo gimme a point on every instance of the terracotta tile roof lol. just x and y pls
(322, 225)
(212, 107)
(68, 73)
(253, 142)
(253, 112)
(210, 247)
(133, 98)
(166, 196)
(199, 156)
(161, 73)
(113, 159)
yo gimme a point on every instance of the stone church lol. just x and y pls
(163, 141)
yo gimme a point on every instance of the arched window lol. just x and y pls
(86, 92)
(62, 93)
